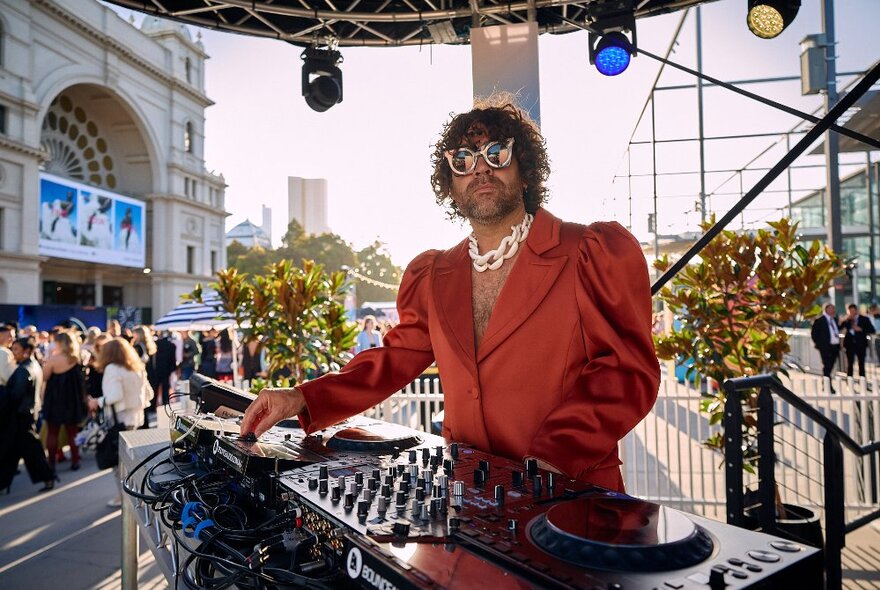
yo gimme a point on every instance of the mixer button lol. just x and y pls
(786, 546)
(764, 556)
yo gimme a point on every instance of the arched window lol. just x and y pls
(187, 64)
(188, 137)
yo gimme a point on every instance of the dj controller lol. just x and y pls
(387, 507)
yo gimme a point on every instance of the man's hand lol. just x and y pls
(271, 406)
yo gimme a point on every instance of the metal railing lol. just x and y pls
(815, 425)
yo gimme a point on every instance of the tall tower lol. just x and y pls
(307, 203)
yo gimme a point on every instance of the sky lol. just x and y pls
(374, 147)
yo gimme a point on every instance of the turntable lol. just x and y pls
(379, 438)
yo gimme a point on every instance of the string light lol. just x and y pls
(372, 281)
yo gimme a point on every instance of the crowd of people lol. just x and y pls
(53, 382)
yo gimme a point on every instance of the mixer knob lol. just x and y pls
(499, 494)
(517, 478)
(322, 472)
(404, 486)
(395, 453)
(453, 450)
(551, 480)
(531, 467)
(453, 523)
(349, 502)
(340, 481)
(386, 490)
(413, 472)
(423, 512)
(382, 505)
(426, 455)
(322, 486)
(417, 506)
(372, 484)
(484, 466)
(420, 493)
(363, 507)
(479, 477)
(389, 480)
(335, 493)
(313, 483)
(442, 481)
(512, 525)
(420, 483)
(458, 488)
(448, 466)
(537, 484)
(435, 507)
(401, 498)
(359, 478)
(412, 456)
(444, 507)
(401, 469)
(352, 488)
(375, 474)
(400, 528)
(716, 578)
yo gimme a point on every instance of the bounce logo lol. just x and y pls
(354, 563)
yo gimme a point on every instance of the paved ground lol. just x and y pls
(69, 539)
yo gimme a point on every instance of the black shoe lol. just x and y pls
(49, 486)
(74, 466)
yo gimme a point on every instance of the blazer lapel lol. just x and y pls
(528, 283)
(452, 299)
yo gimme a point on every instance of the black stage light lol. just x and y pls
(324, 89)
(768, 18)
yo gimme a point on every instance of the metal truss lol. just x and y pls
(387, 22)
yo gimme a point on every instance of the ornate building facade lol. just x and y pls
(92, 103)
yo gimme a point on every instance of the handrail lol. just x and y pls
(773, 383)
(833, 442)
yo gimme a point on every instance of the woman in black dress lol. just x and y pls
(64, 400)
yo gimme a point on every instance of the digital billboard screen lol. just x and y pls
(81, 222)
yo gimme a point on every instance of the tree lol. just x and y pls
(732, 306)
(375, 263)
(296, 311)
(330, 250)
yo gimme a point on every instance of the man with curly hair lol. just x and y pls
(541, 329)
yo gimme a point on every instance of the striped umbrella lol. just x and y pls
(191, 315)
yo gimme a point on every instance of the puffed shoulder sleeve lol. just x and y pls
(618, 383)
(376, 373)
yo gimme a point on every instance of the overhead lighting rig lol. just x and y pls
(612, 36)
(321, 77)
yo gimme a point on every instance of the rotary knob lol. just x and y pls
(453, 450)
(517, 478)
(499, 495)
(359, 478)
(484, 466)
(412, 456)
(537, 484)
(322, 472)
(322, 487)
(531, 467)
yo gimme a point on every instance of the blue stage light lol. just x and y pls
(612, 54)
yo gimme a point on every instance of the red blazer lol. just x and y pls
(565, 369)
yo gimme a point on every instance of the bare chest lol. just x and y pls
(486, 288)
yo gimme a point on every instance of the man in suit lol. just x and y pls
(825, 334)
(541, 329)
(857, 327)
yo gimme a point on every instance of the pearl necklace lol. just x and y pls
(493, 259)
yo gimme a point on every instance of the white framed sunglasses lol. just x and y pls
(463, 161)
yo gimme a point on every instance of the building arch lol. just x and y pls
(127, 131)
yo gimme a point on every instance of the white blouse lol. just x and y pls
(129, 393)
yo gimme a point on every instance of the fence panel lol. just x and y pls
(665, 460)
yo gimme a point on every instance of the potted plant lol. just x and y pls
(297, 312)
(731, 308)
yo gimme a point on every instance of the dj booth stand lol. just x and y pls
(134, 447)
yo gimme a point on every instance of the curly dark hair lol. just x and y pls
(502, 118)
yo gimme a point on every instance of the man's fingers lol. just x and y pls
(251, 415)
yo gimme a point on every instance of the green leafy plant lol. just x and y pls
(297, 312)
(731, 307)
